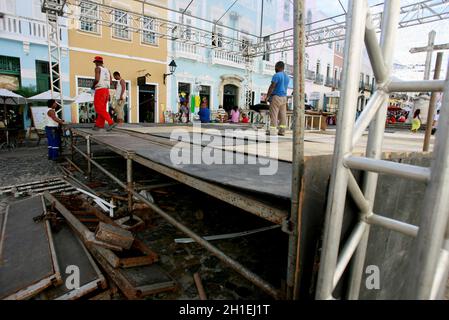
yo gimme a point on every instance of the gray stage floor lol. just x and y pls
(246, 176)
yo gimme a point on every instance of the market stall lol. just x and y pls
(10, 120)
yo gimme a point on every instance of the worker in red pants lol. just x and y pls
(102, 83)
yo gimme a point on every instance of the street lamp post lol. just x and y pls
(172, 66)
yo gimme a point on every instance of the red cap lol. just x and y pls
(98, 59)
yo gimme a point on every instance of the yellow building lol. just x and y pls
(109, 30)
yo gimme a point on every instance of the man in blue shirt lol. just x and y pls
(204, 114)
(277, 96)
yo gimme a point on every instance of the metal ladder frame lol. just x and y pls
(53, 10)
(428, 262)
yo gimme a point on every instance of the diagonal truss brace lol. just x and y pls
(54, 9)
(318, 32)
(333, 29)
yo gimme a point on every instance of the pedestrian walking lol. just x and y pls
(101, 85)
(119, 99)
(277, 96)
(416, 122)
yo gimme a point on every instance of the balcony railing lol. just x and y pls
(228, 59)
(319, 78)
(289, 69)
(329, 82)
(268, 67)
(187, 50)
(23, 29)
(310, 75)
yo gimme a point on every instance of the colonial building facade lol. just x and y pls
(221, 77)
(323, 63)
(24, 63)
(135, 54)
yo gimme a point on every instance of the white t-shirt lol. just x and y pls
(50, 122)
(105, 79)
(118, 91)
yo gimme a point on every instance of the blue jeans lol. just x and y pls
(54, 142)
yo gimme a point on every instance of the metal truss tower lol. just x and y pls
(249, 62)
(428, 259)
(53, 10)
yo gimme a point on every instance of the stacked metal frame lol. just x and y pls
(428, 259)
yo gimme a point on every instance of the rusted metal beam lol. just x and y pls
(78, 227)
(199, 286)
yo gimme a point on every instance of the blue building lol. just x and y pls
(24, 52)
(223, 78)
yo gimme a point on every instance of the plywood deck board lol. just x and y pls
(26, 257)
(70, 251)
(242, 176)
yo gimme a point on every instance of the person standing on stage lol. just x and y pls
(102, 83)
(277, 96)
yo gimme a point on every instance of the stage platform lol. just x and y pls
(268, 196)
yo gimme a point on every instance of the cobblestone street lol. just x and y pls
(24, 165)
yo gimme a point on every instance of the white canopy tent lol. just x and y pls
(45, 96)
(84, 97)
(9, 97)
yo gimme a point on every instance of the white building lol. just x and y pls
(217, 74)
(324, 63)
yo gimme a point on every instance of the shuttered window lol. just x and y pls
(9, 65)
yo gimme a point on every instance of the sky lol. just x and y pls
(416, 36)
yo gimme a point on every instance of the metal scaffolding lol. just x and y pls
(318, 32)
(53, 10)
(428, 262)
(333, 29)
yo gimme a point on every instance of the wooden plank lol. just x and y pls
(71, 251)
(136, 282)
(80, 228)
(149, 280)
(146, 256)
(114, 235)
